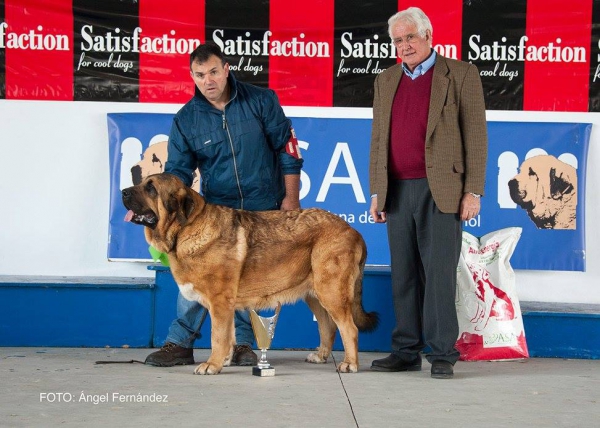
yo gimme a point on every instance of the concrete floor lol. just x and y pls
(63, 387)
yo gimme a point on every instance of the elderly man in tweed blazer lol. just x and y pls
(427, 173)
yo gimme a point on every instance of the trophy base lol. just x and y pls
(268, 372)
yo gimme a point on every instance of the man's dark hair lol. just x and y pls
(204, 51)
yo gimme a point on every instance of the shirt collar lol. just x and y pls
(422, 68)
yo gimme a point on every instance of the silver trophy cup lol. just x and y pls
(264, 331)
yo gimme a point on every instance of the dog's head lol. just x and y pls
(163, 204)
(547, 189)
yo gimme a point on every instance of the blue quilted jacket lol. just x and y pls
(240, 151)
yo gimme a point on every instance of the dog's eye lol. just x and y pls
(531, 172)
(150, 189)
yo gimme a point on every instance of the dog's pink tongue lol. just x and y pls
(129, 215)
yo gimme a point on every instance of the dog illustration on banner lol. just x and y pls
(545, 187)
(152, 161)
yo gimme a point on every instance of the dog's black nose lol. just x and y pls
(126, 193)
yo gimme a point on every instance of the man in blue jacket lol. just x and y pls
(244, 146)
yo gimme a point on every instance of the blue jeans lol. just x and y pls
(186, 328)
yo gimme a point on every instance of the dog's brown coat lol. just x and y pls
(230, 259)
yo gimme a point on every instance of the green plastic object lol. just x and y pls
(158, 256)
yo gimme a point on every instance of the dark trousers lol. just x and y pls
(425, 248)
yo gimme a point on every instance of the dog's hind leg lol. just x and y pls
(339, 306)
(327, 330)
(349, 334)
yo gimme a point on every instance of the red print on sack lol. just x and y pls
(495, 302)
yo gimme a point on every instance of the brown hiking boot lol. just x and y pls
(171, 355)
(243, 356)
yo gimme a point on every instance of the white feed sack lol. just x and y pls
(489, 315)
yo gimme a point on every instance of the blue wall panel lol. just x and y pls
(137, 312)
(75, 314)
(563, 335)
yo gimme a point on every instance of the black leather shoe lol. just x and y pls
(441, 369)
(395, 363)
(243, 356)
(171, 355)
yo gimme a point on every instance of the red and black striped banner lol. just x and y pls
(533, 55)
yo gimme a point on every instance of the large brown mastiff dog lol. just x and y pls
(228, 259)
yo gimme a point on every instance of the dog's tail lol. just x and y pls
(365, 321)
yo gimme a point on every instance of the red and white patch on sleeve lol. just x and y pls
(291, 147)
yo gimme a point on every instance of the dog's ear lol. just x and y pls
(558, 185)
(182, 204)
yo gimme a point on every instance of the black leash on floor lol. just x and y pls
(142, 362)
(120, 362)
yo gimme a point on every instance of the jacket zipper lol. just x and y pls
(235, 168)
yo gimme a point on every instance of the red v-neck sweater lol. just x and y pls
(408, 127)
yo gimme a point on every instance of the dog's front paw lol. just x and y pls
(345, 367)
(315, 358)
(207, 369)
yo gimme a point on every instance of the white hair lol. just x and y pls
(412, 15)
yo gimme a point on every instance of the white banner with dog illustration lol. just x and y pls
(535, 181)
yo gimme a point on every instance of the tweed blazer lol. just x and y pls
(456, 136)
